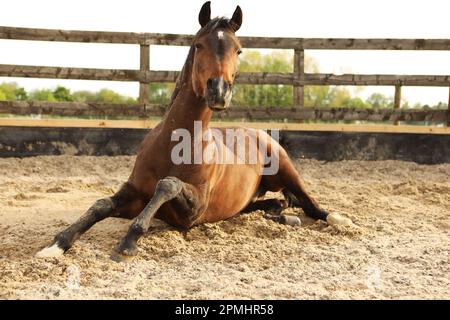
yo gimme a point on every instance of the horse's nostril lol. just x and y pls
(217, 87)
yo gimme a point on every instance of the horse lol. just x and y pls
(187, 194)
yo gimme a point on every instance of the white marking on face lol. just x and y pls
(220, 86)
(50, 252)
(228, 96)
(220, 35)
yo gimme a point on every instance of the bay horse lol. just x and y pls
(188, 194)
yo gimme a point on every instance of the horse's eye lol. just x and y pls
(198, 46)
(239, 51)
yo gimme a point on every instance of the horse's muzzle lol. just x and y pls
(218, 94)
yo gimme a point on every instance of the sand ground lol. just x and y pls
(399, 249)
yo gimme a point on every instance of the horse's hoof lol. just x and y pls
(289, 220)
(337, 219)
(124, 252)
(50, 252)
(119, 257)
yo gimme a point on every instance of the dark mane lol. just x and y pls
(182, 78)
(216, 23)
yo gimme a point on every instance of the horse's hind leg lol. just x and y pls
(186, 199)
(270, 206)
(273, 210)
(296, 195)
(101, 209)
(295, 192)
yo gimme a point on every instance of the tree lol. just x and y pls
(316, 96)
(357, 102)
(441, 105)
(42, 95)
(102, 96)
(21, 94)
(378, 100)
(84, 96)
(160, 93)
(8, 90)
(62, 94)
(264, 95)
(109, 96)
(282, 95)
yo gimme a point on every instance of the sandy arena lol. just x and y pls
(400, 247)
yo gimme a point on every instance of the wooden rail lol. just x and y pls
(248, 42)
(298, 79)
(148, 124)
(254, 113)
(147, 76)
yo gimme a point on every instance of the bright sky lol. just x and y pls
(281, 18)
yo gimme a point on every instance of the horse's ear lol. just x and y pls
(236, 20)
(205, 14)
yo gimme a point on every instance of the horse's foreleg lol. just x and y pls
(100, 210)
(167, 189)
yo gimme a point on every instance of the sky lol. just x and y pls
(281, 18)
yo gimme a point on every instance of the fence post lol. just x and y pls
(448, 108)
(144, 90)
(299, 74)
(397, 99)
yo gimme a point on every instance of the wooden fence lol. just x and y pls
(298, 79)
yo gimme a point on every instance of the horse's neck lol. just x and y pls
(186, 109)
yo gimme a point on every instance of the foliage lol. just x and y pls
(11, 91)
(21, 94)
(62, 94)
(42, 95)
(282, 95)
(84, 96)
(263, 95)
(377, 100)
(109, 96)
(160, 93)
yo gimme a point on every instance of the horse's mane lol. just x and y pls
(216, 23)
(184, 74)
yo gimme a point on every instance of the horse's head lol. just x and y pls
(216, 57)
